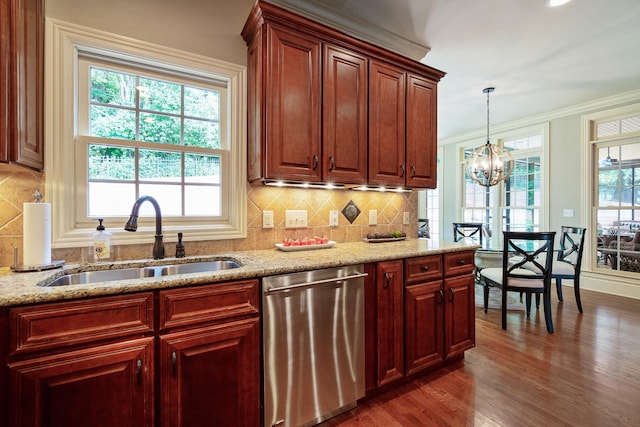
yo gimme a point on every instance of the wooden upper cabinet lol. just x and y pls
(344, 120)
(386, 124)
(422, 135)
(22, 82)
(292, 104)
(326, 107)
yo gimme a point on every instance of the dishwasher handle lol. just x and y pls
(314, 283)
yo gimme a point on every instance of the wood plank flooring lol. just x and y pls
(585, 374)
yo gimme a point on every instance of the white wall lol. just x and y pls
(206, 27)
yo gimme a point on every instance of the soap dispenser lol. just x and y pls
(100, 244)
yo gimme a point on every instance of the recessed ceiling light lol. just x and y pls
(556, 3)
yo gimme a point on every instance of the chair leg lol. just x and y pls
(528, 303)
(485, 288)
(537, 301)
(504, 309)
(547, 311)
(559, 288)
(576, 290)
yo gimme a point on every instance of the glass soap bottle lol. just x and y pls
(100, 244)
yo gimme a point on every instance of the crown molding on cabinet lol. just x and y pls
(362, 30)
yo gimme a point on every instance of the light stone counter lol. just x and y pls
(23, 288)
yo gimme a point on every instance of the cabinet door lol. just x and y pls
(293, 113)
(211, 375)
(460, 327)
(22, 82)
(386, 124)
(109, 385)
(344, 145)
(424, 340)
(422, 143)
(390, 321)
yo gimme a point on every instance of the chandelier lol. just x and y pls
(489, 164)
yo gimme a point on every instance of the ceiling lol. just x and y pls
(539, 59)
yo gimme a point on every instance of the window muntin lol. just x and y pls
(150, 135)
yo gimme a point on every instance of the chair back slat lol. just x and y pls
(571, 245)
(533, 254)
(467, 230)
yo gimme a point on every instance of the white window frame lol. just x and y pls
(590, 254)
(63, 44)
(498, 207)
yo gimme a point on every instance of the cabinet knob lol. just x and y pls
(139, 371)
(174, 363)
(425, 268)
(461, 262)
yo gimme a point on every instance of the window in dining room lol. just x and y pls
(517, 203)
(616, 202)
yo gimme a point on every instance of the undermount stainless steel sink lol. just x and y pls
(142, 272)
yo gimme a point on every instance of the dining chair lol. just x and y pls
(529, 274)
(467, 230)
(568, 262)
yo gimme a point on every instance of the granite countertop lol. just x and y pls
(23, 288)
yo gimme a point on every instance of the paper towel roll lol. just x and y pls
(36, 234)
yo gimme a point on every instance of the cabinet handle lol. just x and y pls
(332, 163)
(414, 172)
(174, 363)
(461, 262)
(139, 371)
(315, 162)
(425, 268)
(451, 294)
(402, 171)
(387, 280)
(441, 299)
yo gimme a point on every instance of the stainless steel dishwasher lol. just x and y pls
(313, 337)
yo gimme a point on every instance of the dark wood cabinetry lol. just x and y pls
(386, 124)
(420, 313)
(84, 360)
(22, 82)
(390, 359)
(93, 360)
(326, 107)
(210, 355)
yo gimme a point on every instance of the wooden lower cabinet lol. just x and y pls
(211, 375)
(107, 385)
(424, 317)
(389, 331)
(186, 357)
(417, 318)
(459, 326)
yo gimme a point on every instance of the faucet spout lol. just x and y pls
(132, 224)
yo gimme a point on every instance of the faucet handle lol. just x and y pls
(180, 247)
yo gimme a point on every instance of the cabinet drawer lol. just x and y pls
(188, 306)
(458, 263)
(422, 269)
(69, 323)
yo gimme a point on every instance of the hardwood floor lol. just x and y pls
(585, 374)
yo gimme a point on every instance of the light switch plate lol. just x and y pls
(405, 218)
(568, 213)
(267, 219)
(333, 218)
(295, 219)
(373, 217)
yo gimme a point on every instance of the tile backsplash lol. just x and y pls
(17, 187)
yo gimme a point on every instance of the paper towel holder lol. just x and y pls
(21, 268)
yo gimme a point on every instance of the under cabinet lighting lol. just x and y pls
(295, 184)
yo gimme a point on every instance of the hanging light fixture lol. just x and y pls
(489, 164)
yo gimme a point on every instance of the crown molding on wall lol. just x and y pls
(602, 103)
(362, 30)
